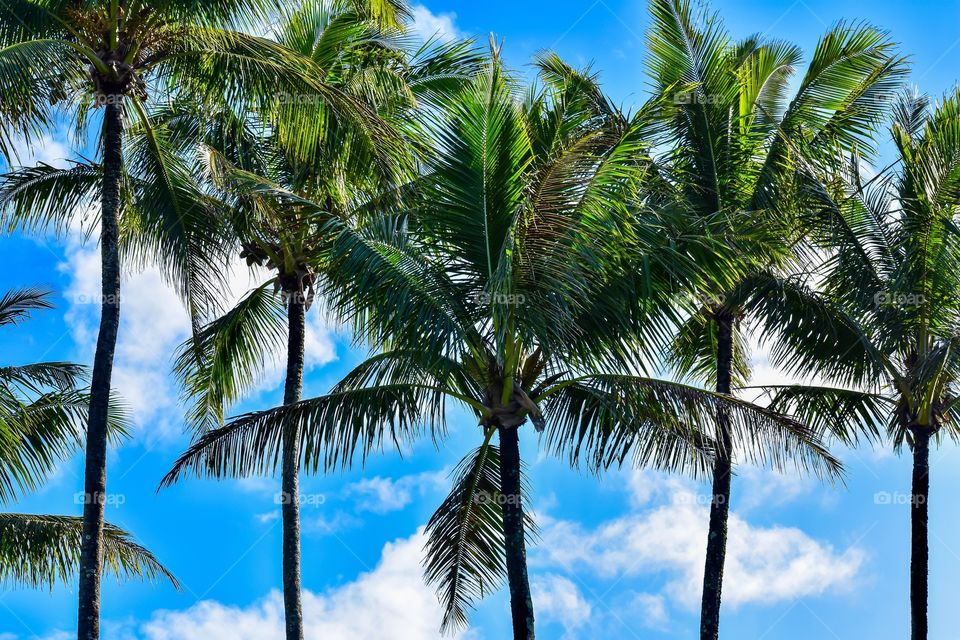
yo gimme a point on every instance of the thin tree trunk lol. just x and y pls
(720, 503)
(919, 548)
(521, 601)
(290, 505)
(95, 471)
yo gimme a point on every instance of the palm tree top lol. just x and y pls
(891, 273)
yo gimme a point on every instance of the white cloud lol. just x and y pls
(391, 599)
(427, 24)
(52, 147)
(257, 484)
(652, 609)
(557, 599)
(383, 495)
(764, 564)
(766, 488)
(209, 620)
(152, 324)
(319, 348)
(331, 525)
(267, 517)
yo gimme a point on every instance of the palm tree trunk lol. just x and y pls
(95, 472)
(292, 606)
(720, 503)
(521, 601)
(919, 548)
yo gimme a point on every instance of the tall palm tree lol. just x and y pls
(739, 145)
(891, 280)
(364, 59)
(42, 413)
(111, 55)
(499, 286)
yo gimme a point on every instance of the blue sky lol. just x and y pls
(620, 555)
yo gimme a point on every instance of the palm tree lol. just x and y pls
(890, 282)
(42, 411)
(112, 55)
(282, 237)
(499, 286)
(739, 144)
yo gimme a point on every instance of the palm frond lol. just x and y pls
(605, 419)
(228, 356)
(809, 333)
(465, 549)
(34, 378)
(174, 222)
(39, 551)
(845, 414)
(17, 304)
(35, 73)
(333, 430)
(39, 431)
(43, 197)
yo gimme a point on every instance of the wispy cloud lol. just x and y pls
(427, 24)
(384, 495)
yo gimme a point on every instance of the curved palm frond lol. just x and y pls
(33, 378)
(38, 432)
(605, 419)
(693, 351)
(46, 198)
(17, 304)
(810, 332)
(39, 551)
(35, 73)
(176, 224)
(333, 429)
(845, 414)
(227, 357)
